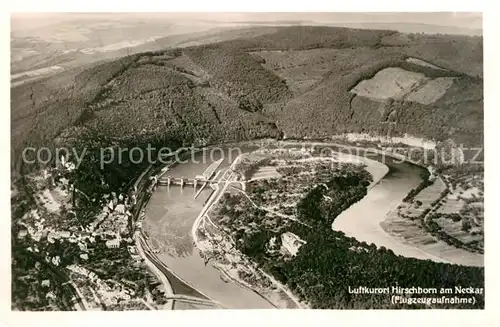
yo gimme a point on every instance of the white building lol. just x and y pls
(291, 242)
(113, 244)
(133, 253)
(45, 283)
(22, 233)
(35, 214)
(120, 208)
(64, 234)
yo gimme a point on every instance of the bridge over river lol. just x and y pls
(211, 176)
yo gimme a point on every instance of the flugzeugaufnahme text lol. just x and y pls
(414, 290)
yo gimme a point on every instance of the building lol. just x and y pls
(82, 246)
(51, 238)
(113, 244)
(50, 295)
(63, 234)
(133, 253)
(93, 277)
(46, 283)
(36, 236)
(120, 208)
(131, 249)
(22, 233)
(80, 270)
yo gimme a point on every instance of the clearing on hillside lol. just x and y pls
(388, 83)
(302, 69)
(431, 91)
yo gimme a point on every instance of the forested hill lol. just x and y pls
(293, 81)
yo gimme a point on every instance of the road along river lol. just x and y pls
(172, 211)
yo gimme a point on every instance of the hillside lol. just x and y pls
(297, 81)
(34, 57)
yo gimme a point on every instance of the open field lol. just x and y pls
(431, 91)
(301, 70)
(399, 84)
(412, 233)
(392, 83)
(434, 221)
(424, 201)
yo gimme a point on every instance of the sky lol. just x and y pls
(23, 21)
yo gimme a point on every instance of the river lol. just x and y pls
(362, 220)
